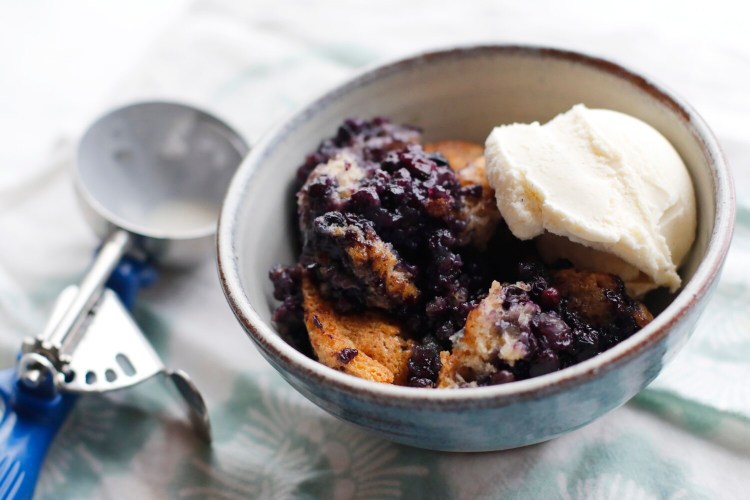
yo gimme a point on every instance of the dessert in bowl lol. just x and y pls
(461, 94)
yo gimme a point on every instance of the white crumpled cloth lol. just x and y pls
(686, 436)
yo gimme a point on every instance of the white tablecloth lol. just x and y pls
(686, 436)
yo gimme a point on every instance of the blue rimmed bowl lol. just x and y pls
(461, 93)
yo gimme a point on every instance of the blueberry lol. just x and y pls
(555, 331)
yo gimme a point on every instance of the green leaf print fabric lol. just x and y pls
(686, 436)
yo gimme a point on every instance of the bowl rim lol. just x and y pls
(281, 354)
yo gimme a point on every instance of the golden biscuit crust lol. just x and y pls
(587, 295)
(367, 345)
(484, 340)
(458, 153)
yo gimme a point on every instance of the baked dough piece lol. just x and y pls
(386, 282)
(593, 313)
(600, 298)
(479, 208)
(458, 153)
(496, 330)
(367, 345)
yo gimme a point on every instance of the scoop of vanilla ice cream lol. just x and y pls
(606, 190)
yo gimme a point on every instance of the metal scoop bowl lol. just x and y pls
(158, 172)
(151, 178)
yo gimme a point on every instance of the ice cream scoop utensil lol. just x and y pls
(150, 178)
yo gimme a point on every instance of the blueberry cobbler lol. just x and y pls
(409, 275)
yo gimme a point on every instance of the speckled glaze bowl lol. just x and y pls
(462, 93)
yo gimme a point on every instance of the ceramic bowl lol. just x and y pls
(461, 93)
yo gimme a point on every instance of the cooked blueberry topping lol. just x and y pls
(424, 364)
(288, 315)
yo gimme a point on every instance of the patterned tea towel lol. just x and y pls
(686, 436)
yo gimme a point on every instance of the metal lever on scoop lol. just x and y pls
(114, 354)
(67, 320)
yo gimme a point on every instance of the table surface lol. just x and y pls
(686, 436)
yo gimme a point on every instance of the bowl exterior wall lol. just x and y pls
(499, 424)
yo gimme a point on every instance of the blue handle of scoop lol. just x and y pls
(27, 427)
(29, 422)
